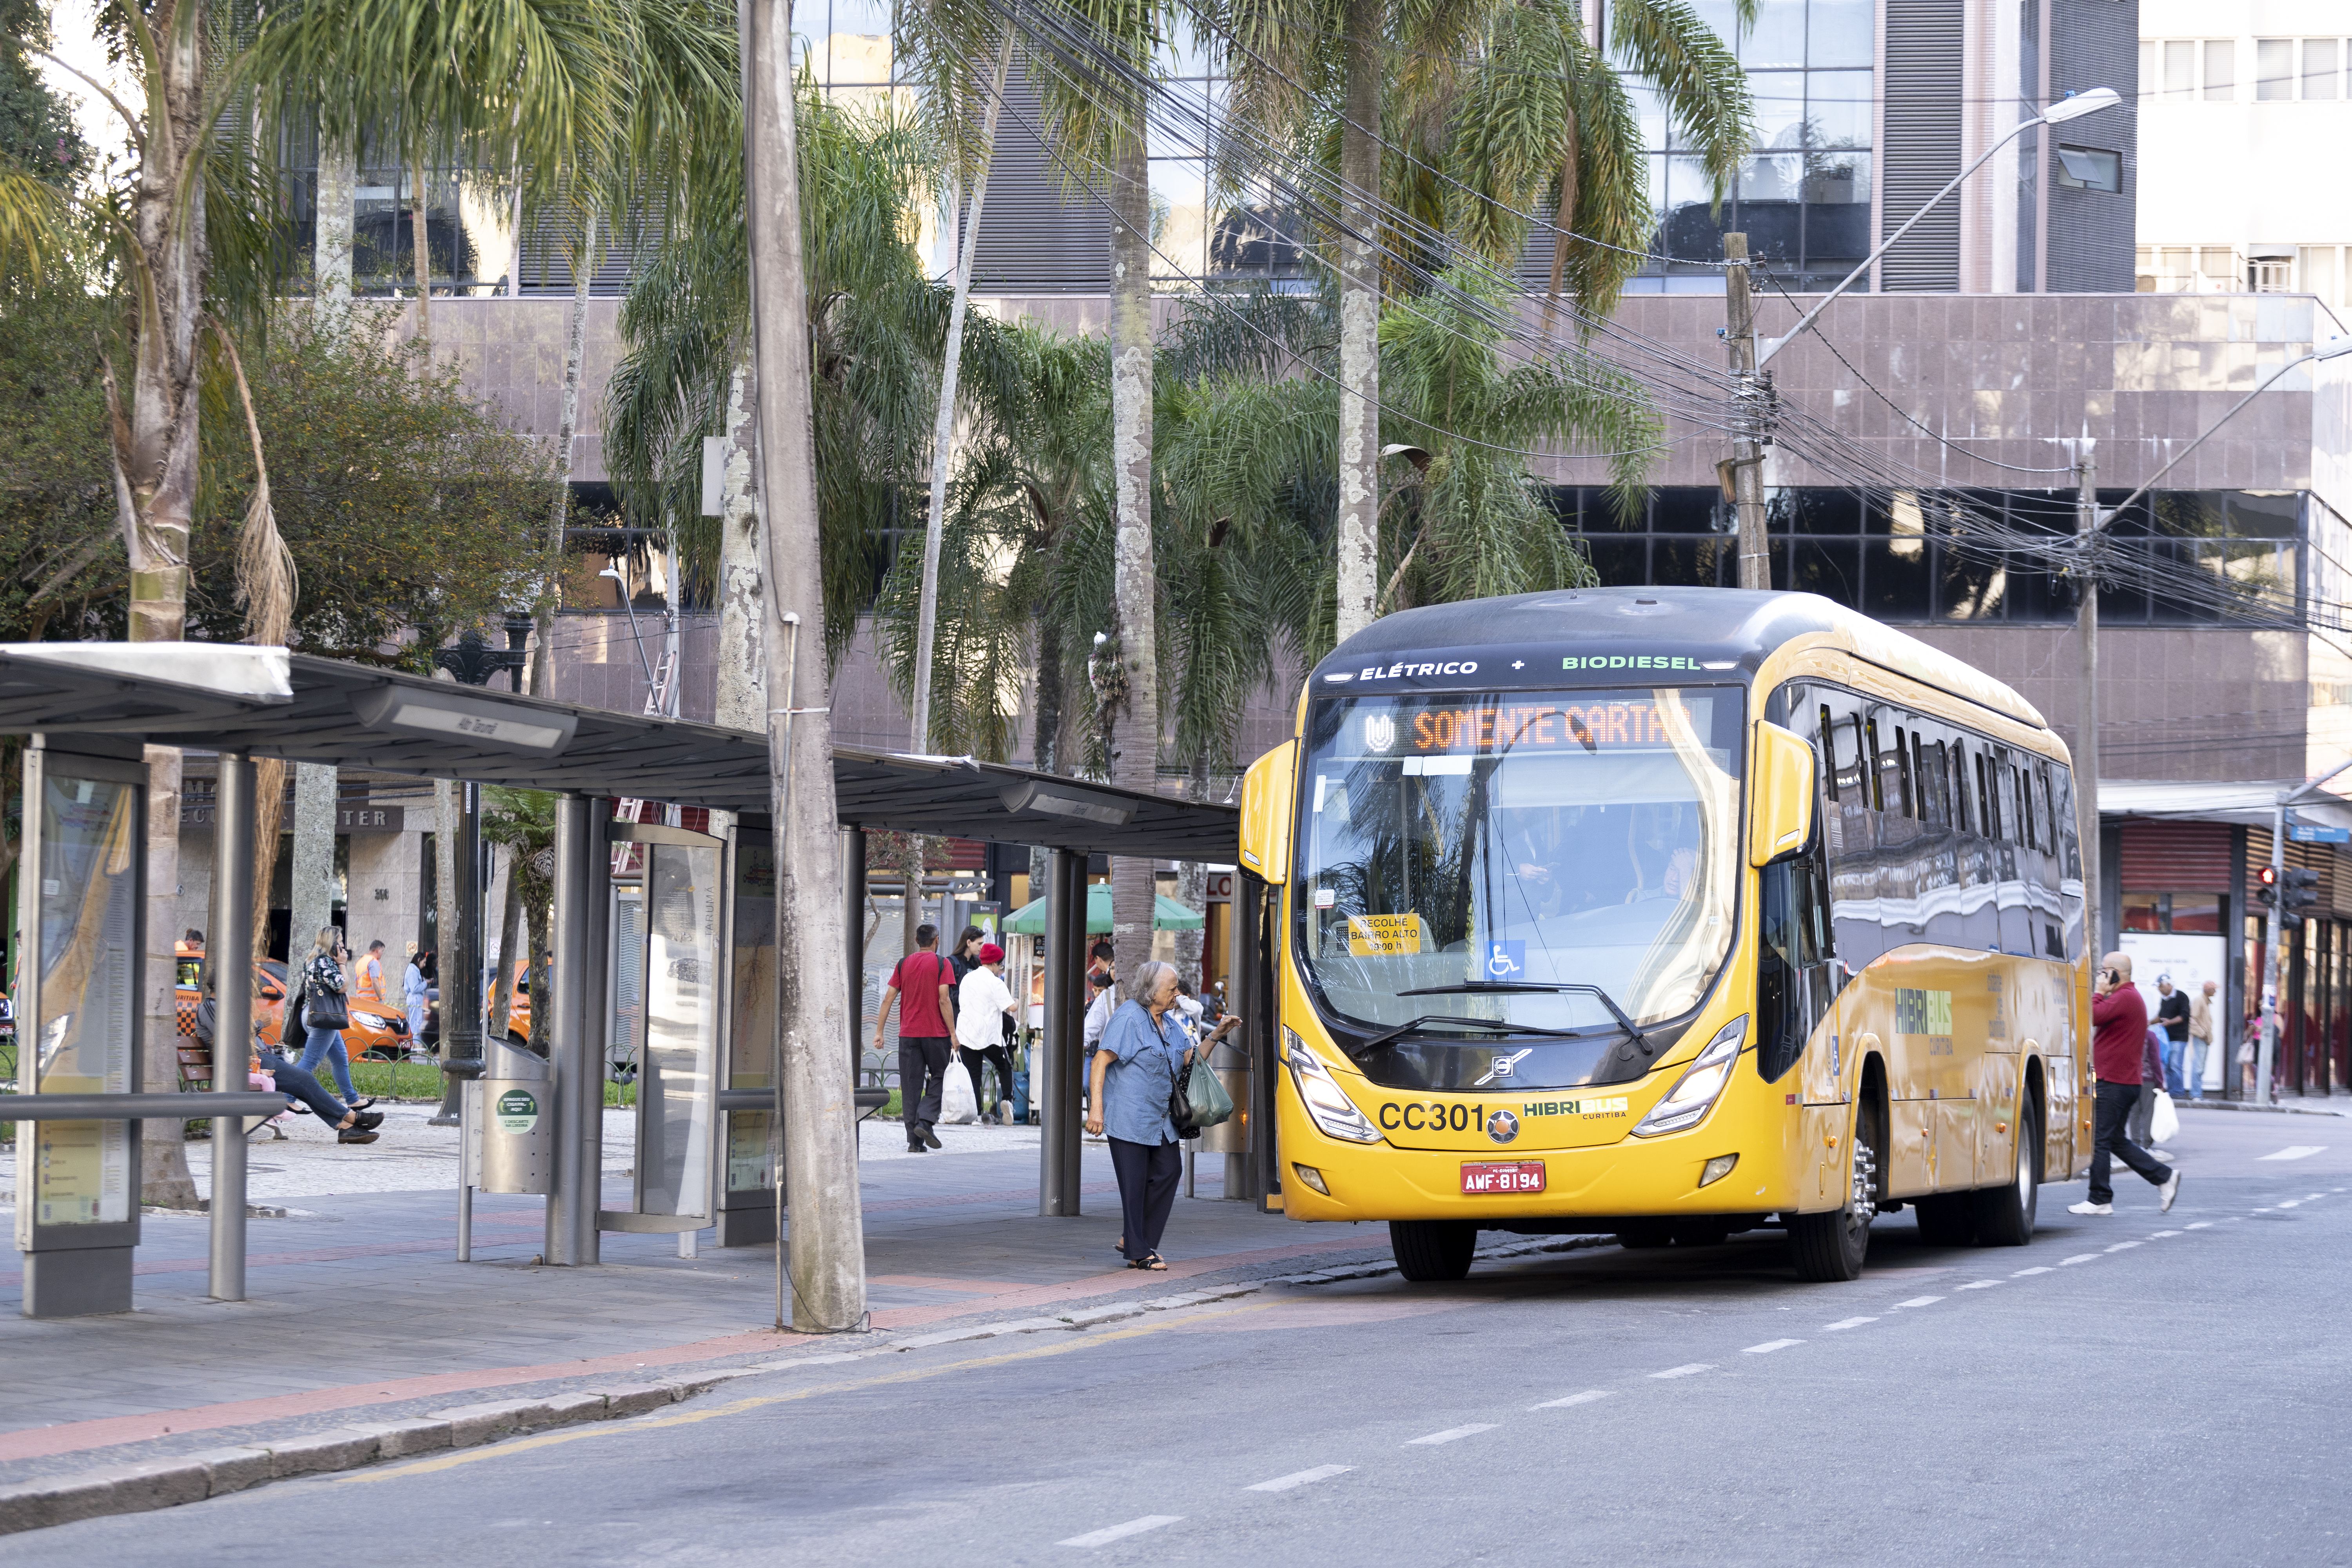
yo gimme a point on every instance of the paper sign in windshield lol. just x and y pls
(1384, 936)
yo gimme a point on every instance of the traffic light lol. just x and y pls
(2300, 892)
(2266, 893)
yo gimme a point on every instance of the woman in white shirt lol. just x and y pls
(983, 1004)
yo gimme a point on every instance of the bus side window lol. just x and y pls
(1866, 753)
(1905, 790)
(1829, 753)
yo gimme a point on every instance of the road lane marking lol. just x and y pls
(2296, 1151)
(1121, 1531)
(2196, 1225)
(1452, 1433)
(2019, 1275)
(2079, 1257)
(2312, 1199)
(2119, 1246)
(1982, 1284)
(1689, 1369)
(2284, 1203)
(514, 1446)
(1300, 1478)
(1848, 1324)
(1587, 1398)
(1769, 1346)
(2153, 1235)
(1918, 1301)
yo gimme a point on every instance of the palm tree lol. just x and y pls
(1508, 98)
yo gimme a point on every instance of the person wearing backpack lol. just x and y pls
(921, 985)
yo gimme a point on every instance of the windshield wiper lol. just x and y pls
(1497, 1025)
(1478, 987)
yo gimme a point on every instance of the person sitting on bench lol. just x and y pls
(350, 1126)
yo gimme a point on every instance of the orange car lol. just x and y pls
(376, 1030)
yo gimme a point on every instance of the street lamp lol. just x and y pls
(2091, 526)
(1748, 361)
(629, 605)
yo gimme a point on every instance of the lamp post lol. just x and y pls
(2091, 535)
(1748, 358)
(630, 604)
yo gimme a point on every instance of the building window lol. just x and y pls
(2182, 71)
(2274, 69)
(2220, 71)
(2319, 76)
(2090, 169)
(2271, 275)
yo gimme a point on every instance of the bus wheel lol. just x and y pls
(1831, 1246)
(1432, 1250)
(1640, 1238)
(2004, 1214)
(1945, 1219)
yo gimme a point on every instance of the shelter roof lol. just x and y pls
(225, 697)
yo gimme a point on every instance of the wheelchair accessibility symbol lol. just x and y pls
(1506, 960)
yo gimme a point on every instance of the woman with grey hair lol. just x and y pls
(1135, 1069)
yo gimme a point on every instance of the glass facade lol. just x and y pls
(1878, 552)
(1804, 196)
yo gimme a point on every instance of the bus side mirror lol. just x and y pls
(1780, 817)
(1269, 797)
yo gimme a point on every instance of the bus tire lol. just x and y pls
(1433, 1250)
(1945, 1219)
(2004, 1214)
(1830, 1247)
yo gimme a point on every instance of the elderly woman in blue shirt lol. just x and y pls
(1135, 1067)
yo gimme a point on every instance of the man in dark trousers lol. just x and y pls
(920, 985)
(2172, 1017)
(2118, 1042)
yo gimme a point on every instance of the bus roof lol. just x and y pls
(1623, 633)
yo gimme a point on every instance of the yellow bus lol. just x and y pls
(1670, 914)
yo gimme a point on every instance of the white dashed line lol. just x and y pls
(1300, 1478)
(1769, 1346)
(1982, 1284)
(1848, 1324)
(1587, 1398)
(1919, 1301)
(1452, 1433)
(2155, 1236)
(2198, 1225)
(2284, 1203)
(1691, 1369)
(2312, 1199)
(2079, 1257)
(1121, 1531)
(2297, 1152)
(2021, 1273)
(2119, 1246)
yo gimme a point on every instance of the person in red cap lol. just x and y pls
(983, 1004)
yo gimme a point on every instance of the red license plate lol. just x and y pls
(1502, 1176)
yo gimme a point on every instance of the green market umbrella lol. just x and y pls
(1167, 914)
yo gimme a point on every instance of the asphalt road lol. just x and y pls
(2143, 1388)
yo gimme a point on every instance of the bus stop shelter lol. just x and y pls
(90, 708)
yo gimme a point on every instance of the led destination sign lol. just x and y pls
(1512, 726)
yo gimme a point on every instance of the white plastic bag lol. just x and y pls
(2164, 1125)
(957, 1106)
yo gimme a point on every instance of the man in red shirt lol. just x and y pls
(2118, 1046)
(920, 985)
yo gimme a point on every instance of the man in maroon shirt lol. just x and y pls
(920, 985)
(2119, 1044)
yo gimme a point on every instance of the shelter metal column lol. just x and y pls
(582, 870)
(231, 965)
(853, 925)
(1065, 948)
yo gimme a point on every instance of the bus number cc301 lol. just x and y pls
(1414, 1117)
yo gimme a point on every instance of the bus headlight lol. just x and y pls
(1694, 1093)
(1333, 1112)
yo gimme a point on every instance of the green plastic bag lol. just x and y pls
(1205, 1097)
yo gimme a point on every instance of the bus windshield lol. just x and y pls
(1576, 838)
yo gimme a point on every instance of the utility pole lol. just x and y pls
(828, 1240)
(1747, 446)
(2086, 696)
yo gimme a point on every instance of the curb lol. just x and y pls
(216, 1472)
(2257, 1110)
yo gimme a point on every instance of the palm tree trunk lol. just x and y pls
(420, 242)
(743, 678)
(1360, 321)
(1134, 716)
(509, 933)
(943, 427)
(163, 1178)
(331, 263)
(446, 914)
(812, 1003)
(575, 347)
(312, 889)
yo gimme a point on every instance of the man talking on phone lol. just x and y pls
(2119, 1036)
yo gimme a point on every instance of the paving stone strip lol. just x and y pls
(160, 1483)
